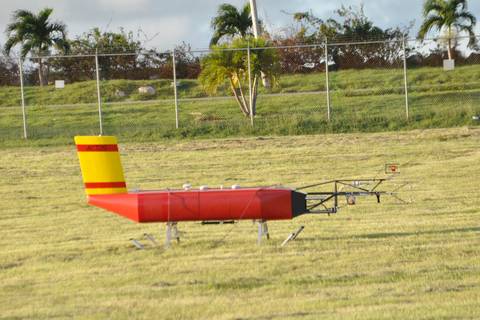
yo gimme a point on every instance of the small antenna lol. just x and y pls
(107, 26)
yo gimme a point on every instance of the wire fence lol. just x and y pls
(325, 87)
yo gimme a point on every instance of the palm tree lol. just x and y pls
(36, 35)
(231, 22)
(230, 67)
(450, 16)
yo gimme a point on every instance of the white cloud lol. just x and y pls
(129, 5)
(164, 32)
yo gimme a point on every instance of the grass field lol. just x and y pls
(352, 82)
(369, 100)
(63, 259)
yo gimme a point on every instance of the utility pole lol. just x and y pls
(256, 33)
(256, 27)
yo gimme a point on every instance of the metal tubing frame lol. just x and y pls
(321, 199)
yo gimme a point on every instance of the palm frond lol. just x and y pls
(467, 16)
(9, 44)
(57, 27)
(446, 14)
(462, 3)
(22, 14)
(432, 22)
(468, 28)
(432, 6)
(35, 33)
(230, 21)
(44, 15)
(26, 48)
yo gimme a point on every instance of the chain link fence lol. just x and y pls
(326, 87)
(11, 118)
(203, 112)
(443, 92)
(62, 101)
(368, 89)
(298, 98)
(136, 94)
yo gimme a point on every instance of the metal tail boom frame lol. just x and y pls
(328, 202)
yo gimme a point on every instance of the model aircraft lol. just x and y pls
(106, 188)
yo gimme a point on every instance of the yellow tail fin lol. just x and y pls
(100, 164)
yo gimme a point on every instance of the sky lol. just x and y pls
(166, 23)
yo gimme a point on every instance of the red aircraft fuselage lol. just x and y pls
(204, 205)
(106, 188)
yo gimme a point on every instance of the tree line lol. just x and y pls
(36, 35)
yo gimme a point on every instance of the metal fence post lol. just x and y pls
(20, 69)
(250, 89)
(98, 93)
(407, 107)
(327, 80)
(175, 87)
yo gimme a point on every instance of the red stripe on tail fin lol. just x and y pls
(97, 148)
(101, 185)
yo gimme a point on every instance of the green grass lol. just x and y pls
(362, 101)
(374, 81)
(63, 259)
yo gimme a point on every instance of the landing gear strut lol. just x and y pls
(172, 233)
(262, 231)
